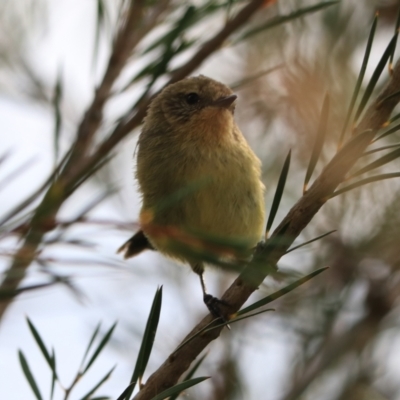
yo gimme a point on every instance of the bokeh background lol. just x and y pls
(336, 337)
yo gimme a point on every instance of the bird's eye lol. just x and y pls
(192, 98)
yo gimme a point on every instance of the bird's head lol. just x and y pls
(193, 106)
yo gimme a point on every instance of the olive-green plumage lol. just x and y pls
(190, 139)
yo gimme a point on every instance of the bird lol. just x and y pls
(197, 175)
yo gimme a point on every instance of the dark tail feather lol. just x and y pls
(135, 245)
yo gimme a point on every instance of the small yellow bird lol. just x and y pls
(190, 140)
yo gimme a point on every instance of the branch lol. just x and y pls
(296, 220)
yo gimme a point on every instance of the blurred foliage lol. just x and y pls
(342, 327)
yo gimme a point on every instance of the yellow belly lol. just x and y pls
(224, 201)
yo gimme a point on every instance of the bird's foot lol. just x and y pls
(214, 306)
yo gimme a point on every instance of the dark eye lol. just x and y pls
(192, 98)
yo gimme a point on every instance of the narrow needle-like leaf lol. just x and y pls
(279, 293)
(100, 23)
(104, 379)
(25, 203)
(394, 118)
(388, 132)
(41, 344)
(390, 97)
(57, 97)
(375, 77)
(53, 375)
(378, 163)
(319, 142)
(13, 174)
(310, 241)
(125, 394)
(396, 32)
(278, 192)
(237, 318)
(367, 153)
(89, 346)
(147, 341)
(179, 388)
(29, 376)
(198, 333)
(365, 181)
(359, 79)
(189, 375)
(100, 347)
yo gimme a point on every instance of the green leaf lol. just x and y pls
(147, 341)
(360, 78)
(278, 192)
(237, 319)
(280, 293)
(193, 370)
(57, 97)
(394, 118)
(172, 44)
(396, 32)
(181, 25)
(367, 153)
(127, 392)
(365, 181)
(28, 375)
(378, 163)
(198, 333)
(319, 141)
(189, 375)
(28, 201)
(41, 345)
(100, 347)
(53, 375)
(89, 346)
(375, 77)
(105, 378)
(281, 19)
(14, 173)
(310, 241)
(101, 20)
(388, 132)
(390, 97)
(179, 388)
(101, 398)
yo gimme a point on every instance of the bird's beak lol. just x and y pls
(224, 102)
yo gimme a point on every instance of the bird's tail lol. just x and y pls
(135, 245)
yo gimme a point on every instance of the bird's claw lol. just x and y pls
(213, 304)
